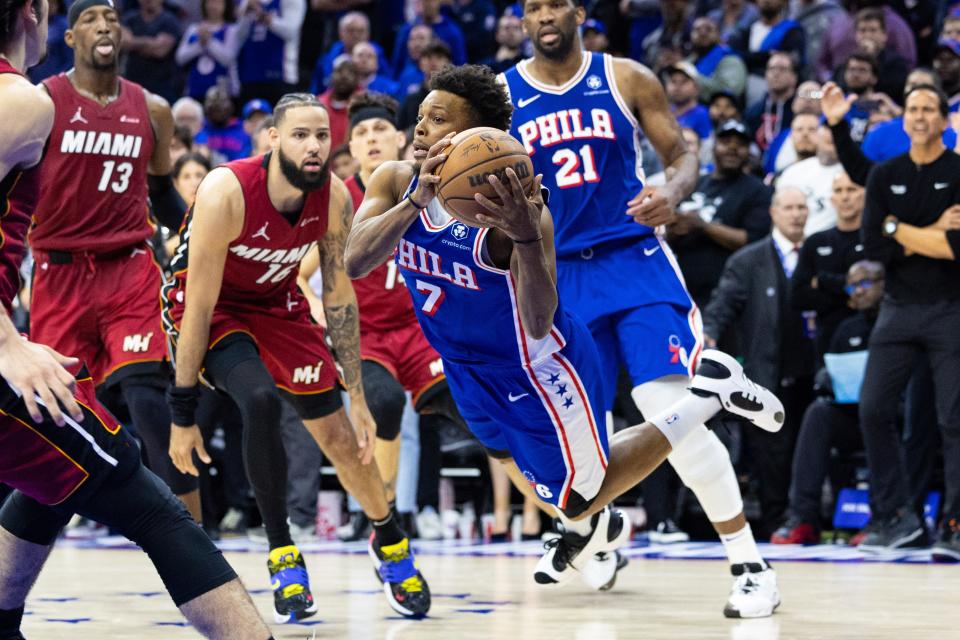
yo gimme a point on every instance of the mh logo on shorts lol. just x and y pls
(436, 367)
(137, 343)
(677, 352)
(308, 374)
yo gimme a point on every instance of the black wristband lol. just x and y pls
(414, 202)
(183, 404)
(531, 241)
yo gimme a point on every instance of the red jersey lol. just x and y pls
(263, 262)
(19, 192)
(382, 299)
(94, 173)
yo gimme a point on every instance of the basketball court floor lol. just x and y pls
(105, 588)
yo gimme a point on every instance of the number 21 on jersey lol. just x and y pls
(570, 173)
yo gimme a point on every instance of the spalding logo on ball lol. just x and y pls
(475, 155)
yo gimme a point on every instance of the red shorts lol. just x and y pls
(290, 343)
(105, 311)
(50, 463)
(407, 355)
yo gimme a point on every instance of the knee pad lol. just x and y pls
(657, 395)
(385, 398)
(703, 463)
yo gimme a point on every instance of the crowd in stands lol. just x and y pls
(788, 105)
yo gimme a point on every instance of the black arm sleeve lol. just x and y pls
(167, 205)
(876, 246)
(851, 157)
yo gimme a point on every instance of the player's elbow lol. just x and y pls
(354, 264)
(539, 322)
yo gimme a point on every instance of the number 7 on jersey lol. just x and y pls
(435, 297)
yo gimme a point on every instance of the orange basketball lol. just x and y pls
(474, 155)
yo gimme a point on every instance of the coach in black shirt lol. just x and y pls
(912, 224)
(728, 210)
(819, 282)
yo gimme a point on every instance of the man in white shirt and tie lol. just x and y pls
(774, 339)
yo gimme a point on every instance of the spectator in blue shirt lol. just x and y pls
(410, 77)
(365, 57)
(352, 28)
(210, 49)
(59, 55)
(477, 20)
(444, 28)
(222, 134)
(682, 90)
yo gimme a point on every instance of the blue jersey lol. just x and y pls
(468, 309)
(261, 58)
(585, 141)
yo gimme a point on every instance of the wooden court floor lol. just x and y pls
(96, 593)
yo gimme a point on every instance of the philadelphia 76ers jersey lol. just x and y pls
(467, 308)
(585, 141)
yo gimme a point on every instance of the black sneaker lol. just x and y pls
(947, 548)
(898, 532)
(357, 528)
(667, 532)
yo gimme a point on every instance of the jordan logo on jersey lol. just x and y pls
(420, 260)
(262, 232)
(78, 117)
(565, 125)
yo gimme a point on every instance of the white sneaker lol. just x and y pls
(601, 572)
(722, 376)
(570, 552)
(429, 526)
(754, 593)
(302, 535)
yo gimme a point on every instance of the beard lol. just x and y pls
(299, 178)
(558, 51)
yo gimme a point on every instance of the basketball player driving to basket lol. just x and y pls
(525, 373)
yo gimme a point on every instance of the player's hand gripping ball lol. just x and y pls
(472, 156)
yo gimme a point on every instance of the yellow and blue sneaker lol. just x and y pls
(292, 599)
(403, 584)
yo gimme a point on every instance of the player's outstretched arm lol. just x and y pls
(654, 206)
(167, 205)
(31, 109)
(217, 220)
(385, 213)
(342, 314)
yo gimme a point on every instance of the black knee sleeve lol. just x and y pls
(29, 520)
(144, 397)
(144, 510)
(442, 403)
(254, 391)
(385, 397)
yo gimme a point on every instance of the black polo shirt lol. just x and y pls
(917, 195)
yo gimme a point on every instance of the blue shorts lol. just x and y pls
(548, 416)
(637, 308)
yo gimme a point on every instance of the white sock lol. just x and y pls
(582, 527)
(683, 417)
(741, 547)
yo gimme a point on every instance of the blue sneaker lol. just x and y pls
(406, 590)
(292, 599)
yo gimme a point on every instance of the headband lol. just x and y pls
(373, 111)
(80, 6)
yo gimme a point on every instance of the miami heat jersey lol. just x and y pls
(589, 154)
(468, 309)
(94, 173)
(264, 260)
(381, 296)
(19, 192)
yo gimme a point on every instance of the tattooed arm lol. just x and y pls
(340, 308)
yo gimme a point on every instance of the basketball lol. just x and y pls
(474, 155)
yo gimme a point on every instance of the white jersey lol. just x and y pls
(816, 182)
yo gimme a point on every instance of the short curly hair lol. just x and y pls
(478, 85)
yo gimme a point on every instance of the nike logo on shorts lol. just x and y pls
(649, 252)
(513, 398)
